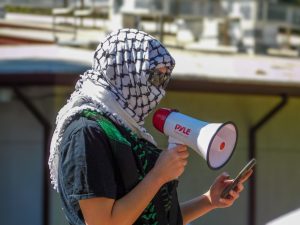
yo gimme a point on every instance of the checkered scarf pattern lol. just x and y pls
(121, 65)
(119, 77)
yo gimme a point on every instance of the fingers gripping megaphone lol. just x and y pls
(215, 142)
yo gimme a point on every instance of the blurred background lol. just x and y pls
(236, 60)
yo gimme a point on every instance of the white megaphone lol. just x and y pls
(215, 142)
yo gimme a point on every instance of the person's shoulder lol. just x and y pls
(84, 132)
(80, 123)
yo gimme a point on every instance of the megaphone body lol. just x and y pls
(215, 142)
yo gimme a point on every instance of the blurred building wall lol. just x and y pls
(278, 176)
(21, 151)
(50, 3)
(20, 166)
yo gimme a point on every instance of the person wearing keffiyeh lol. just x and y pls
(105, 165)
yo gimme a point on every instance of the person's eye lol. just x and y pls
(158, 79)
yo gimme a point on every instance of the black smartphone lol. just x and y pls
(240, 176)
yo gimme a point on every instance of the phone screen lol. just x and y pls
(240, 176)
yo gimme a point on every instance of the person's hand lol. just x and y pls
(171, 163)
(221, 182)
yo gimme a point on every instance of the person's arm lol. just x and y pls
(203, 204)
(127, 209)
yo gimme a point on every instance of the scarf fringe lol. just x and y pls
(78, 102)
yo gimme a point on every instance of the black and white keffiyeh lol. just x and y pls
(123, 84)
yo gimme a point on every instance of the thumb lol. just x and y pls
(222, 177)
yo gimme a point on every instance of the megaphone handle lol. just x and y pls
(173, 142)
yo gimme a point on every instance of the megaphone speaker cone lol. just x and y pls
(222, 145)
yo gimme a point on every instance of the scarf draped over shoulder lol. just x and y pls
(117, 85)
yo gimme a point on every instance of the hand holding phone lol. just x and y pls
(238, 178)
